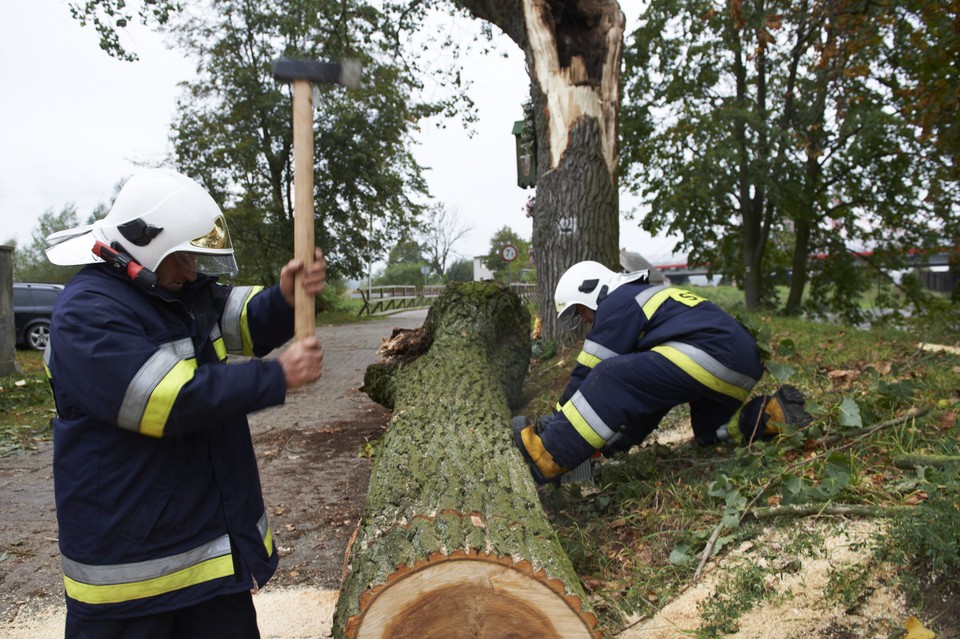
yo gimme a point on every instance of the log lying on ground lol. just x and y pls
(453, 542)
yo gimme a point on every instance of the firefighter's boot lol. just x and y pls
(542, 466)
(764, 417)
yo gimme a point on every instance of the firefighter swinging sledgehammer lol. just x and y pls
(650, 348)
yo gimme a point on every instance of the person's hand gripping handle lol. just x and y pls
(302, 362)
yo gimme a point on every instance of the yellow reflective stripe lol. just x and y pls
(46, 360)
(163, 396)
(263, 527)
(233, 323)
(587, 359)
(582, 427)
(268, 542)
(699, 373)
(220, 349)
(245, 338)
(218, 343)
(117, 593)
(651, 304)
(145, 381)
(733, 426)
(593, 353)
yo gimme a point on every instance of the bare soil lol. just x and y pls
(314, 476)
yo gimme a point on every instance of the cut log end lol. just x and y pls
(470, 597)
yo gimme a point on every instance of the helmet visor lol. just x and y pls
(567, 313)
(570, 322)
(216, 264)
(211, 264)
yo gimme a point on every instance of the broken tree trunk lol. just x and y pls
(573, 51)
(453, 542)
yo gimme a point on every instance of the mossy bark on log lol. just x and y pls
(453, 541)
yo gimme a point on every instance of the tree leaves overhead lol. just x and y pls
(233, 127)
(109, 17)
(765, 134)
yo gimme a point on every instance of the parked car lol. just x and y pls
(32, 308)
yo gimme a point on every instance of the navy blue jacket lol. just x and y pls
(639, 317)
(157, 489)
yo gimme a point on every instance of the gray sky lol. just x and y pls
(74, 122)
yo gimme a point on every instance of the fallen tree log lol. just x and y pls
(453, 542)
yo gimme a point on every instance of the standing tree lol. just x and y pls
(764, 134)
(233, 128)
(509, 271)
(573, 50)
(441, 229)
(30, 260)
(30, 264)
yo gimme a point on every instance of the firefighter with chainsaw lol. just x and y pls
(650, 348)
(162, 526)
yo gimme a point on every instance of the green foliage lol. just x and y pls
(929, 537)
(401, 274)
(406, 251)
(792, 114)
(928, 40)
(736, 594)
(30, 264)
(111, 16)
(460, 271)
(233, 131)
(26, 405)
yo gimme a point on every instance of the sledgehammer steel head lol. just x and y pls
(346, 73)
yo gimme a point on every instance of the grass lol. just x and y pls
(637, 537)
(26, 405)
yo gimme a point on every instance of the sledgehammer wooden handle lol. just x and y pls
(300, 73)
(304, 307)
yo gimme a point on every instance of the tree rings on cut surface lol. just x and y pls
(470, 597)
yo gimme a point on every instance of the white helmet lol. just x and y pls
(156, 213)
(587, 283)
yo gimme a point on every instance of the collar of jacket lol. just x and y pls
(187, 293)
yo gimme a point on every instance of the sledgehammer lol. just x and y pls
(301, 73)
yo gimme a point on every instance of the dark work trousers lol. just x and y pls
(225, 617)
(631, 394)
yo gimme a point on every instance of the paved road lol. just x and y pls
(309, 463)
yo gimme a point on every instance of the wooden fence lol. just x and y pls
(382, 300)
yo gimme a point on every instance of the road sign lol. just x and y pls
(508, 253)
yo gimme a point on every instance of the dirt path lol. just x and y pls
(314, 484)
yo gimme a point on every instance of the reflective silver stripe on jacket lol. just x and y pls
(597, 350)
(647, 294)
(586, 421)
(144, 570)
(233, 322)
(712, 366)
(150, 374)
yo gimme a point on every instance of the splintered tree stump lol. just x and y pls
(453, 542)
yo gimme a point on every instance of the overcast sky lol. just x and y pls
(74, 122)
